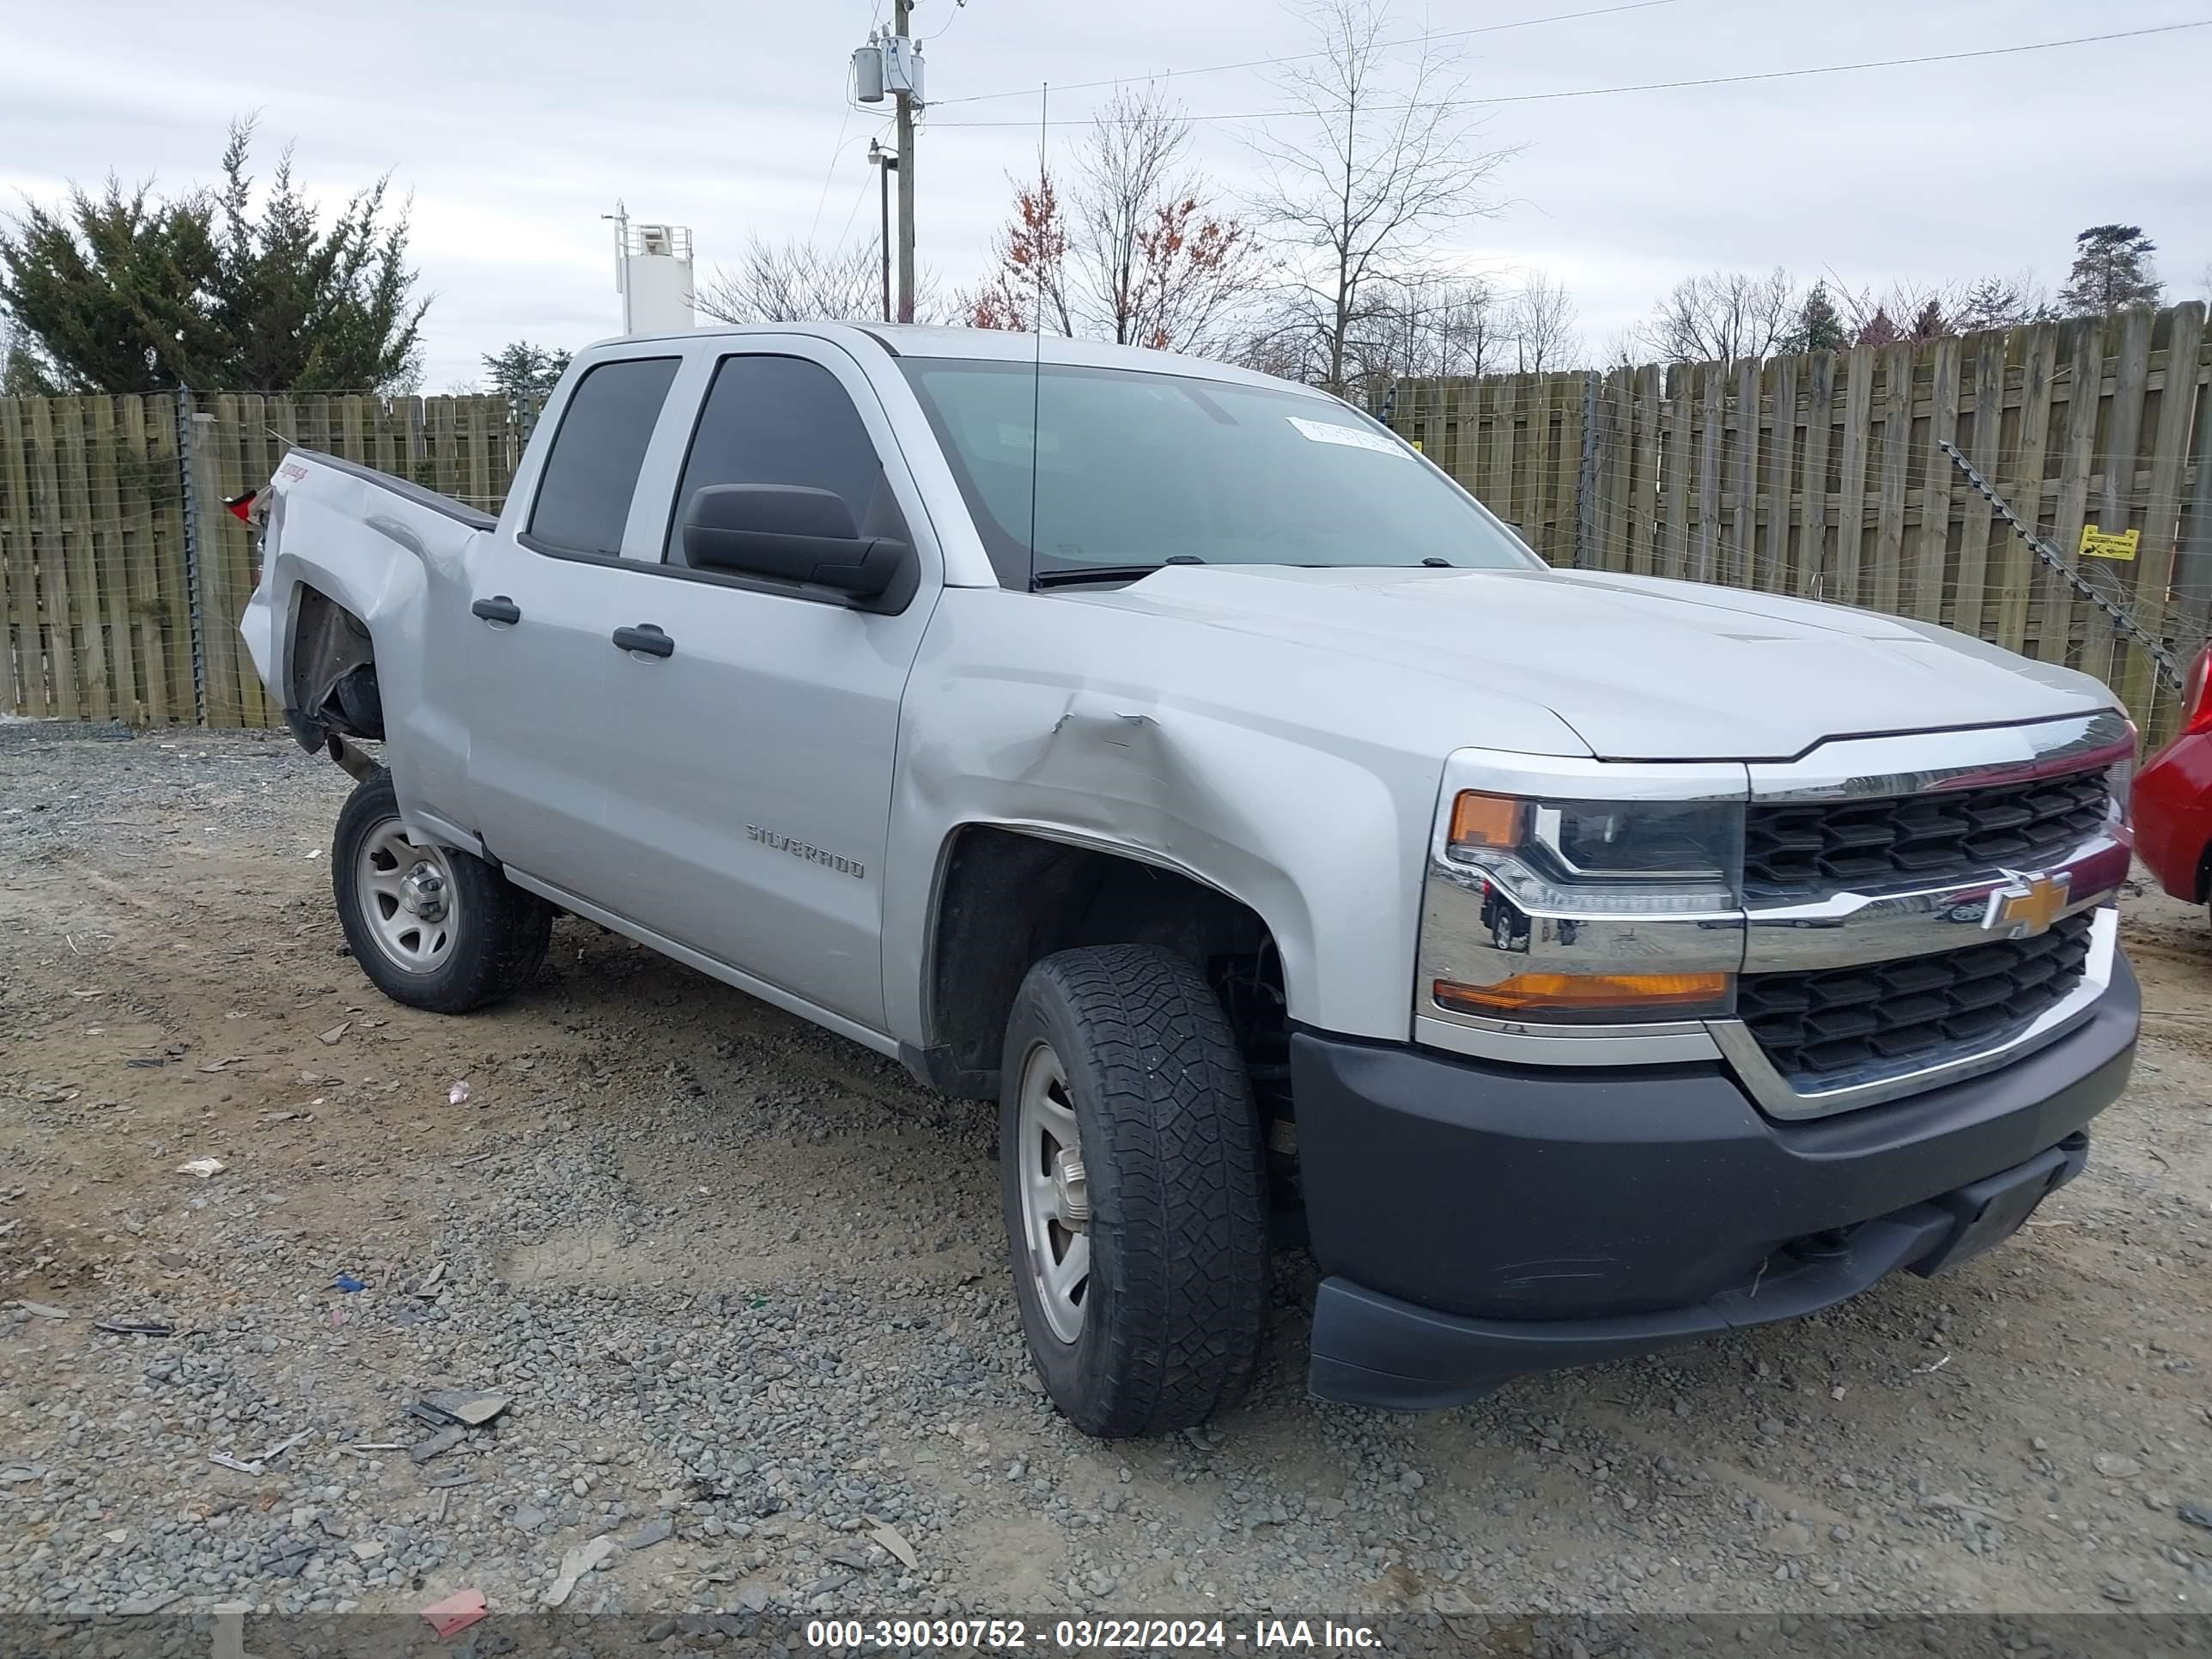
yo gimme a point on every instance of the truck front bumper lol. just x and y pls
(1475, 1221)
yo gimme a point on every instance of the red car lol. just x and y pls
(2172, 798)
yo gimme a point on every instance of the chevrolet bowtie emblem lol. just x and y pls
(2027, 906)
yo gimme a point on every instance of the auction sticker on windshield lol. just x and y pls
(1324, 432)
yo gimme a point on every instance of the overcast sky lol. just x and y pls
(516, 126)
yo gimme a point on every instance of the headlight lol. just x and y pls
(1565, 911)
(1631, 857)
(2120, 776)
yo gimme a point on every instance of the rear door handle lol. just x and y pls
(645, 637)
(497, 608)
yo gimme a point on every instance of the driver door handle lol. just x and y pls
(497, 608)
(646, 637)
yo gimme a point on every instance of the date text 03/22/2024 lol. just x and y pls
(1090, 1635)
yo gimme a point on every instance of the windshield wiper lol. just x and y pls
(1107, 572)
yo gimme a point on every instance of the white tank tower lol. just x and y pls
(652, 273)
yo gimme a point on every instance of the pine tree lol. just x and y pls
(126, 291)
(1819, 325)
(110, 293)
(524, 370)
(1994, 302)
(307, 308)
(2112, 271)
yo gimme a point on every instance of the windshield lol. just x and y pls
(1134, 470)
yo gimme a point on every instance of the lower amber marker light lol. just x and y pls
(1526, 993)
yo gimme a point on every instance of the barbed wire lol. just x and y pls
(1612, 539)
(1613, 528)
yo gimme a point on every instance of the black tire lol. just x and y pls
(1176, 1172)
(499, 933)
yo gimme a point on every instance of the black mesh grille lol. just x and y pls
(1817, 1025)
(1797, 851)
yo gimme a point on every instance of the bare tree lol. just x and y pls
(1130, 252)
(1377, 160)
(1626, 349)
(1274, 342)
(1129, 165)
(802, 282)
(1723, 315)
(1428, 327)
(1542, 319)
(1160, 268)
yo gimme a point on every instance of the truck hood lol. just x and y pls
(1640, 668)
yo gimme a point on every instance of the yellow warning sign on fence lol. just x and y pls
(2108, 544)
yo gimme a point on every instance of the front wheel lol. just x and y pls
(432, 927)
(1133, 1185)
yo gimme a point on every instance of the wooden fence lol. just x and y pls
(1822, 475)
(122, 577)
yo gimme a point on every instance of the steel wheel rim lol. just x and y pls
(1056, 1193)
(408, 900)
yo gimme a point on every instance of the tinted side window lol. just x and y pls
(583, 498)
(785, 420)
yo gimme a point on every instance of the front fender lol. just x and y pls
(1319, 830)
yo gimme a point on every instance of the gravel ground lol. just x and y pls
(740, 1283)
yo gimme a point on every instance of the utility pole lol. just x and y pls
(890, 61)
(902, 13)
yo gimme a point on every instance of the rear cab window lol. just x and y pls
(591, 472)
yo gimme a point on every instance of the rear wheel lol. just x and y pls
(1132, 1180)
(432, 927)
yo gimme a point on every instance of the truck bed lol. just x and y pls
(474, 518)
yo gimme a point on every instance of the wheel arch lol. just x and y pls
(1006, 896)
(330, 686)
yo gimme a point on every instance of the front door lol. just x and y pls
(752, 776)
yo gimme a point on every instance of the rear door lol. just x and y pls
(752, 764)
(542, 589)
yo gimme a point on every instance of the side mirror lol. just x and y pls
(790, 533)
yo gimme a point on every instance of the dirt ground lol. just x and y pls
(739, 1273)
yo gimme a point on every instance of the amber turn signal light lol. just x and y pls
(1530, 993)
(1480, 820)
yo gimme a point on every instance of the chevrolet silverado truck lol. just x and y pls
(1575, 963)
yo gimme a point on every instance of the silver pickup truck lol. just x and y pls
(1574, 964)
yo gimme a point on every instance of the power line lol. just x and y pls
(1302, 57)
(846, 235)
(836, 150)
(1666, 86)
(830, 174)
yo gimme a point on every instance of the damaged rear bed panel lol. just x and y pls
(360, 571)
